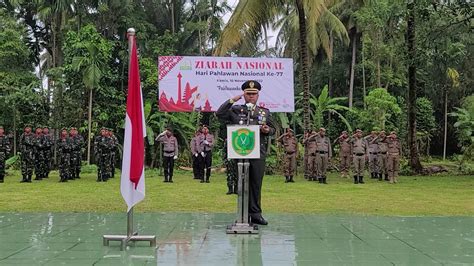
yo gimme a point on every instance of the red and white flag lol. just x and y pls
(132, 183)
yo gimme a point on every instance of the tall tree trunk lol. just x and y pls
(414, 155)
(364, 91)
(14, 130)
(331, 51)
(89, 128)
(353, 62)
(379, 82)
(304, 63)
(445, 122)
(172, 17)
(265, 35)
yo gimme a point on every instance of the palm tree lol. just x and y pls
(465, 128)
(411, 41)
(91, 75)
(314, 26)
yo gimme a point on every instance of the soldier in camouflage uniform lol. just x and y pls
(4, 151)
(97, 156)
(47, 151)
(39, 153)
(102, 146)
(231, 172)
(27, 154)
(290, 146)
(113, 150)
(64, 145)
(77, 142)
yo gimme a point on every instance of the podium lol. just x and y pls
(243, 144)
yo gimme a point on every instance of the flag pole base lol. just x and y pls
(132, 235)
(125, 240)
(242, 228)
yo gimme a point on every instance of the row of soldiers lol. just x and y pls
(105, 147)
(4, 151)
(36, 150)
(382, 153)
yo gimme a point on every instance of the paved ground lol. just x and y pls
(200, 239)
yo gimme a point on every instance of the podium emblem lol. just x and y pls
(243, 141)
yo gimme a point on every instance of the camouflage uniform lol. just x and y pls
(231, 172)
(77, 142)
(64, 144)
(27, 156)
(104, 146)
(113, 150)
(4, 150)
(47, 153)
(38, 142)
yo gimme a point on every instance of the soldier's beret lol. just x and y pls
(251, 86)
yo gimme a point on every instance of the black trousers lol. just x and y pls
(256, 173)
(168, 165)
(207, 162)
(196, 166)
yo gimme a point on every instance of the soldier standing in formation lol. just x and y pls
(306, 155)
(102, 146)
(231, 172)
(47, 151)
(323, 155)
(4, 151)
(76, 156)
(360, 154)
(64, 145)
(345, 153)
(373, 149)
(113, 151)
(206, 143)
(38, 153)
(170, 152)
(394, 149)
(196, 154)
(27, 156)
(310, 143)
(382, 156)
(239, 114)
(290, 146)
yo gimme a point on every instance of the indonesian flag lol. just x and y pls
(132, 183)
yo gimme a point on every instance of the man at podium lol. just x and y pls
(252, 114)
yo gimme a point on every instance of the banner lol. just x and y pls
(190, 83)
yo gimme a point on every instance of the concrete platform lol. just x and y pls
(201, 239)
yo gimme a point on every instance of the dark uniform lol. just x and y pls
(38, 142)
(105, 144)
(113, 152)
(206, 143)
(47, 151)
(27, 154)
(290, 146)
(170, 153)
(76, 154)
(231, 172)
(238, 114)
(4, 151)
(64, 145)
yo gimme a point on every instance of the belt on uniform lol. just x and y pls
(359, 154)
(290, 152)
(373, 152)
(169, 151)
(322, 152)
(383, 152)
(394, 154)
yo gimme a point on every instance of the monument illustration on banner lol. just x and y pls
(190, 100)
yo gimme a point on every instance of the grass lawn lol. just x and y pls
(439, 195)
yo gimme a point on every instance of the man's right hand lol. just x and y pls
(236, 98)
(196, 154)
